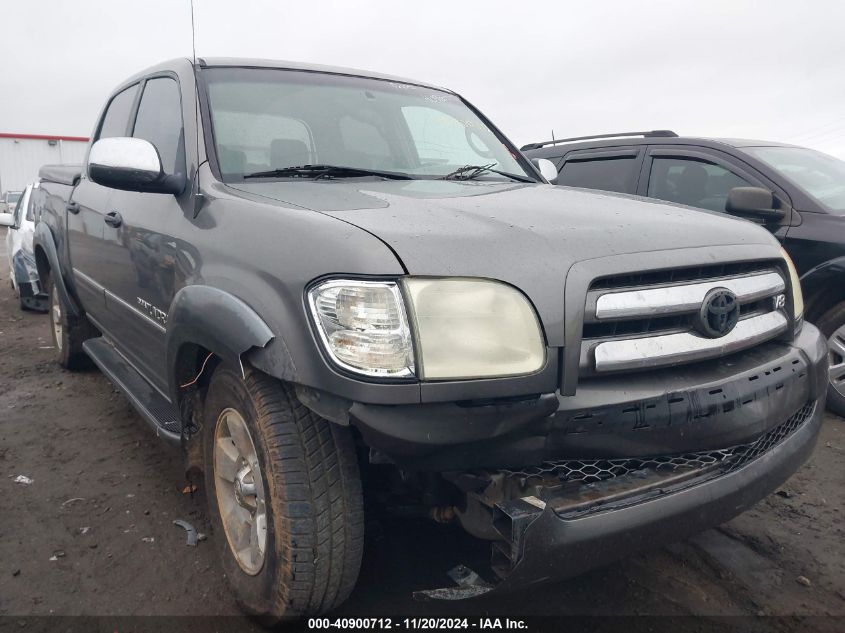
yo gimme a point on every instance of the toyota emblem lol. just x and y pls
(719, 313)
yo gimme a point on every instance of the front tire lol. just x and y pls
(832, 325)
(284, 492)
(68, 332)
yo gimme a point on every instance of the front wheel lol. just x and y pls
(832, 325)
(284, 492)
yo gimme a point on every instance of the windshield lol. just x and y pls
(820, 175)
(13, 196)
(268, 119)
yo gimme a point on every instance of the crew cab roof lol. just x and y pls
(321, 68)
(246, 62)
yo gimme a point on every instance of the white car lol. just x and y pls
(22, 269)
(8, 201)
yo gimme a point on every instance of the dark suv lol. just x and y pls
(796, 192)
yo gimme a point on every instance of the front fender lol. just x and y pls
(215, 320)
(43, 239)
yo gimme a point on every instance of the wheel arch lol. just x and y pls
(823, 288)
(47, 261)
(205, 320)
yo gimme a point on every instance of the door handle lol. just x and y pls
(72, 207)
(113, 219)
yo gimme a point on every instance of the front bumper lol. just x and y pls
(27, 283)
(546, 546)
(32, 296)
(708, 405)
(559, 519)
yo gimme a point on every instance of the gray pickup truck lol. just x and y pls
(307, 277)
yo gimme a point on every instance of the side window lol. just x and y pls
(607, 174)
(692, 182)
(30, 206)
(116, 120)
(159, 121)
(20, 206)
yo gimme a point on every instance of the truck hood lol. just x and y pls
(524, 234)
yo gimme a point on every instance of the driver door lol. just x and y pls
(702, 179)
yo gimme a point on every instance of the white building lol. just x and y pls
(22, 155)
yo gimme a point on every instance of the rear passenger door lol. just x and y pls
(85, 224)
(700, 178)
(613, 169)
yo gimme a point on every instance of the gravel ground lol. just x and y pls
(93, 533)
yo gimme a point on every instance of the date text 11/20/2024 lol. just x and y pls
(431, 624)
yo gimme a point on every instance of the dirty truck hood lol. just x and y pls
(524, 234)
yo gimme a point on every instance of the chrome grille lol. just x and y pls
(648, 326)
(677, 275)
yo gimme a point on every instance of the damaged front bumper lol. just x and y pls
(564, 517)
(27, 283)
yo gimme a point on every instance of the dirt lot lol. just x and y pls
(93, 533)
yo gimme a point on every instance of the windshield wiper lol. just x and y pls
(326, 171)
(469, 172)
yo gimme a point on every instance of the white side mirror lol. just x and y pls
(7, 219)
(546, 167)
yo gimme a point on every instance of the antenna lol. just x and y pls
(193, 36)
(198, 197)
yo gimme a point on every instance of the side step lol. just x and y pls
(150, 404)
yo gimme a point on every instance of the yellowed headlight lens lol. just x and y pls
(473, 328)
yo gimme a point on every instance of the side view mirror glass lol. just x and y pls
(130, 164)
(754, 202)
(7, 219)
(546, 168)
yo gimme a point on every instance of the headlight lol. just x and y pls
(473, 328)
(363, 326)
(795, 282)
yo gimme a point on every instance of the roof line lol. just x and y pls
(44, 137)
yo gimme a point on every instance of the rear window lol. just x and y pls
(607, 174)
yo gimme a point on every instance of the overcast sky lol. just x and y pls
(771, 69)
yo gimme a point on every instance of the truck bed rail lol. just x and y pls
(62, 174)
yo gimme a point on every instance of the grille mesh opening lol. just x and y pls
(587, 471)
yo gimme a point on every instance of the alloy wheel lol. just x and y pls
(239, 487)
(56, 319)
(836, 354)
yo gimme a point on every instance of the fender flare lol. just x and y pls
(816, 282)
(214, 319)
(43, 239)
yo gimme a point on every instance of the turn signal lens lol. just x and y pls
(363, 326)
